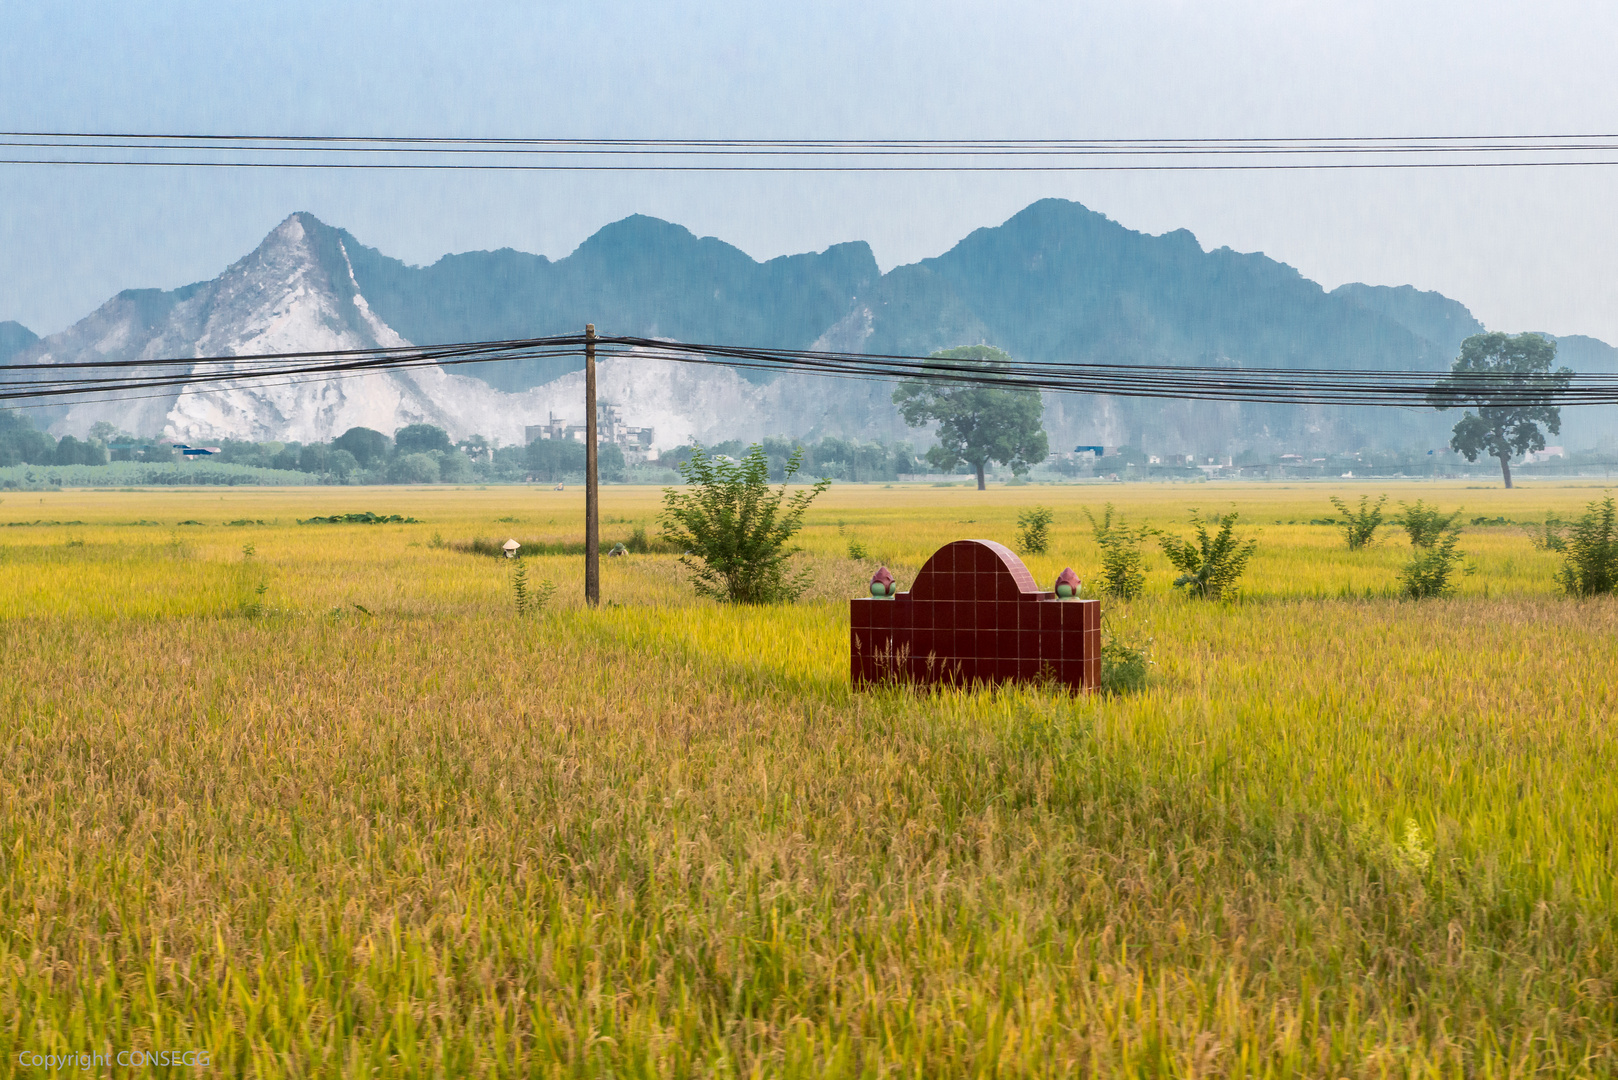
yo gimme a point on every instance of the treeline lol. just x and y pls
(21, 443)
(849, 460)
(425, 454)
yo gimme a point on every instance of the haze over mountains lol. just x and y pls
(1056, 282)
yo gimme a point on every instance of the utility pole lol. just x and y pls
(592, 482)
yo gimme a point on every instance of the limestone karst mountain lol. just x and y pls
(1055, 282)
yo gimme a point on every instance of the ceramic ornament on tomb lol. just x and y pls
(975, 615)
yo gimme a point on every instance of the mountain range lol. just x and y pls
(1055, 282)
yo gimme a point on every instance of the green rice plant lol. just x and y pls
(1590, 566)
(1360, 526)
(1123, 564)
(1211, 566)
(1424, 524)
(1033, 530)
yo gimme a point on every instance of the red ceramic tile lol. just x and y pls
(1048, 616)
(1051, 644)
(1030, 614)
(1000, 645)
(959, 613)
(1092, 614)
(966, 644)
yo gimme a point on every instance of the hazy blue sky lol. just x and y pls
(1525, 249)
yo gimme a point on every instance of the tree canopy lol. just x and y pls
(977, 424)
(422, 439)
(368, 447)
(1493, 365)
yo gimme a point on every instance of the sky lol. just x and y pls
(1525, 249)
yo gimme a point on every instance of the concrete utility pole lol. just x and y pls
(592, 483)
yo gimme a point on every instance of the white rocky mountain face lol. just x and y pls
(297, 293)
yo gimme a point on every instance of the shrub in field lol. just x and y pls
(1123, 572)
(1591, 552)
(1548, 536)
(1360, 526)
(1033, 530)
(1210, 566)
(1125, 666)
(1431, 571)
(531, 599)
(858, 551)
(1424, 524)
(736, 529)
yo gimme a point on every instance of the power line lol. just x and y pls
(45, 384)
(497, 154)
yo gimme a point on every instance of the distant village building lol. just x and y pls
(1535, 457)
(610, 429)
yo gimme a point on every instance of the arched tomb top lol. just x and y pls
(975, 570)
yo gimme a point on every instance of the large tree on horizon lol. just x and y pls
(1509, 381)
(977, 422)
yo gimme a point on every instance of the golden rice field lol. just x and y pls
(313, 798)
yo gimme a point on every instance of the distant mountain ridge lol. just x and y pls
(14, 338)
(1056, 282)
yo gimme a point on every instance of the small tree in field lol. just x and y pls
(1425, 525)
(736, 529)
(1359, 527)
(1210, 566)
(1431, 569)
(1033, 530)
(1509, 381)
(1591, 552)
(1123, 573)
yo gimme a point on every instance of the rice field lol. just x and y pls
(314, 799)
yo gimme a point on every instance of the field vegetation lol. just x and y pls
(318, 799)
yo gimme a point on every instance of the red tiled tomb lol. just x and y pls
(975, 615)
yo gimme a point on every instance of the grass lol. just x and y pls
(378, 825)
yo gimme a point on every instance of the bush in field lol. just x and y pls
(1125, 666)
(1431, 572)
(1548, 536)
(1360, 526)
(1591, 552)
(1123, 564)
(531, 599)
(1210, 566)
(736, 529)
(1033, 530)
(1425, 525)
